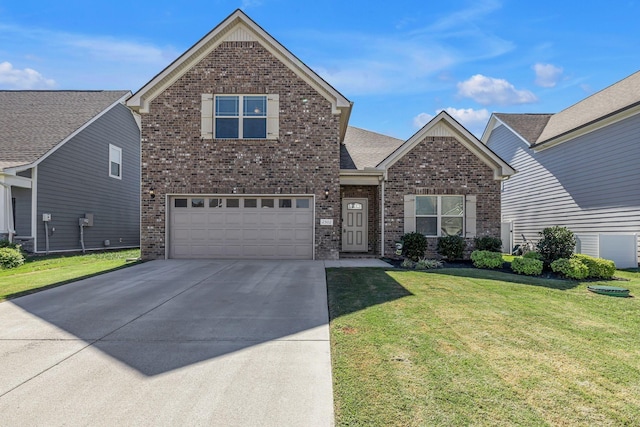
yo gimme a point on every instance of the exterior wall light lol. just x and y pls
(152, 193)
(326, 193)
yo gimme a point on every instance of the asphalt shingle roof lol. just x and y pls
(363, 148)
(529, 126)
(616, 97)
(33, 122)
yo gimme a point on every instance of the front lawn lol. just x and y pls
(47, 271)
(460, 347)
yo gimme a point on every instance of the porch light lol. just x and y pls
(326, 193)
(152, 193)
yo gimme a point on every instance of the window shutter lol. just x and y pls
(206, 116)
(273, 116)
(409, 214)
(470, 216)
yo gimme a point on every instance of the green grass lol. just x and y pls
(461, 347)
(44, 272)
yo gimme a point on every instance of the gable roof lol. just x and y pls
(542, 131)
(445, 125)
(239, 27)
(611, 100)
(529, 126)
(365, 149)
(35, 122)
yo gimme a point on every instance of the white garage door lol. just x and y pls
(265, 227)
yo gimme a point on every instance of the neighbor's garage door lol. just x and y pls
(267, 227)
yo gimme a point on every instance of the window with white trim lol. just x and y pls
(440, 215)
(231, 116)
(115, 162)
(241, 116)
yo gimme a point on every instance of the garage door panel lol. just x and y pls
(215, 231)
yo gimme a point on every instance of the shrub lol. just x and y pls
(451, 247)
(527, 266)
(571, 268)
(556, 242)
(599, 268)
(7, 244)
(533, 255)
(427, 264)
(486, 259)
(413, 245)
(488, 243)
(10, 258)
(407, 263)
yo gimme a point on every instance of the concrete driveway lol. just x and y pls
(217, 343)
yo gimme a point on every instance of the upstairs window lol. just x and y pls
(240, 116)
(115, 162)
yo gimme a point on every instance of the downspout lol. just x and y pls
(382, 215)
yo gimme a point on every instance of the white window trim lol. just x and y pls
(241, 115)
(112, 160)
(439, 213)
(208, 117)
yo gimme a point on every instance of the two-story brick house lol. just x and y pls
(247, 153)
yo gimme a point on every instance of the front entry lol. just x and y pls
(354, 225)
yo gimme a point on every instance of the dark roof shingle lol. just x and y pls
(34, 122)
(528, 126)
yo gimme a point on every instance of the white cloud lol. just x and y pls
(473, 120)
(547, 75)
(422, 119)
(488, 90)
(469, 117)
(26, 78)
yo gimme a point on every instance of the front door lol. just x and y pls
(354, 225)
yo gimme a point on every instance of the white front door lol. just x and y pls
(354, 225)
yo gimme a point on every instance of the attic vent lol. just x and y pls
(439, 130)
(240, 34)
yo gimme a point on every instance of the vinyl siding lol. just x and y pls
(74, 180)
(23, 211)
(590, 184)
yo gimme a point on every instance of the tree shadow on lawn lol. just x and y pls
(545, 280)
(354, 289)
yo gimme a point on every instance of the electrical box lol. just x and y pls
(89, 218)
(46, 217)
(83, 222)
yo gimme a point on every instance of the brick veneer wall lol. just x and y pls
(304, 160)
(371, 193)
(440, 166)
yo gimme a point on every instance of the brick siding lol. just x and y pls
(441, 165)
(304, 160)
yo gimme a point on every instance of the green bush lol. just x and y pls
(555, 243)
(451, 247)
(571, 268)
(7, 244)
(599, 268)
(488, 243)
(527, 266)
(407, 263)
(10, 258)
(413, 245)
(533, 255)
(486, 259)
(427, 264)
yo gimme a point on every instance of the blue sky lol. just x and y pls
(401, 62)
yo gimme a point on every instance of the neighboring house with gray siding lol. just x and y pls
(67, 155)
(577, 168)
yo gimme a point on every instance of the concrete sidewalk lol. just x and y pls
(221, 343)
(357, 262)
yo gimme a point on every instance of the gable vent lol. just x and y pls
(439, 130)
(240, 34)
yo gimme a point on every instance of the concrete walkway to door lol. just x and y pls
(216, 343)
